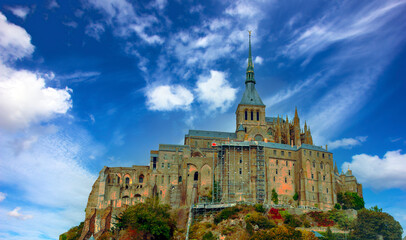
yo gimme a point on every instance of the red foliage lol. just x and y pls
(321, 219)
(274, 213)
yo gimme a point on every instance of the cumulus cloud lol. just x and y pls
(215, 91)
(15, 42)
(2, 196)
(347, 142)
(169, 97)
(16, 214)
(380, 173)
(19, 11)
(259, 60)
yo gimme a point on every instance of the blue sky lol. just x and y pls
(89, 83)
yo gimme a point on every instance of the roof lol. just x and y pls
(211, 134)
(251, 96)
(274, 119)
(312, 147)
(172, 147)
(317, 234)
(263, 144)
(241, 128)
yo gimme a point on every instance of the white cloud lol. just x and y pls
(16, 214)
(380, 173)
(258, 60)
(71, 24)
(53, 4)
(2, 196)
(19, 11)
(167, 98)
(347, 142)
(95, 30)
(215, 91)
(15, 42)
(24, 99)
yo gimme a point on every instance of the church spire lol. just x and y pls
(250, 67)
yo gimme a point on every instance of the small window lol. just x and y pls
(141, 179)
(162, 179)
(169, 165)
(286, 180)
(304, 152)
(289, 172)
(322, 155)
(246, 115)
(180, 179)
(313, 188)
(282, 153)
(127, 180)
(163, 165)
(321, 165)
(327, 190)
(314, 164)
(196, 176)
(274, 179)
(310, 153)
(240, 160)
(276, 171)
(277, 162)
(312, 176)
(317, 154)
(118, 179)
(329, 156)
(274, 152)
(286, 163)
(240, 171)
(289, 154)
(324, 177)
(252, 115)
(257, 116)
(169, 179)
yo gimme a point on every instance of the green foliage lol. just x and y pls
(151, 218)
(329, 234)
(370, 224)
(260, 220)
(339, 217)
(249, 228)
(208, 236)
(259, 208)
(350, 200)
(337, 206)
(291, 220)
(296, 196)
(274, 196)
(376, 209)
(280, 233)
(225, 214)
(73, 233)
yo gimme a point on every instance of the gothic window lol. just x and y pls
(317, 154)
(270, 132)
(246, 115)
(169, 179)
(127, 180)
(180, 179)
(322, 155)
(141, 179)
(165, 156)
(118, 179)
(162, 179)
(108, 179)
(196, 176)
(252, 115)
(257, 116)
(329, 156)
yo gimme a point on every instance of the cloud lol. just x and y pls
(168, 98)
(95, 30)
(380, 173)
(15, 214)
(2, 196)
(24, 99)
(53, 4)
(259, 60)
(79, 76)
(71, 24)
(215, 91)
(15, 42)
(347, 143)
(19, 11)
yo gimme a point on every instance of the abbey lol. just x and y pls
(262, 155)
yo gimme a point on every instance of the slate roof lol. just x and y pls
(212, 134)
(251, 96)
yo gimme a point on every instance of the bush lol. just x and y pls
(280, 232)
(208, 236)
(296, 196)
(225, 214)
(274, 196)
(337, 206)
(343, 221)
(350, 200)
(274, 213)
(259, 208)
(260, 220)
(321, 219)
(73, 233)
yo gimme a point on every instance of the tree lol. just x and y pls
(279, 232)
(296, 196)
(371, 224)
(150, 219)
(274, 196)
(337, 206)
(350, 200)
(329, 234)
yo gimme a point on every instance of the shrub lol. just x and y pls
(343, 221)
(225, 214)
(321, 219)
(274, 196)
(337, 206)
(279, 232)
(274, 213)
(296, 196)
(208, 236)
(350, 200)
(260, 220)
(259, 208)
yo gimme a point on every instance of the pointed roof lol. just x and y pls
(241, 128)
(250, 96)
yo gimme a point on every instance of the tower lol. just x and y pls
(251, 110)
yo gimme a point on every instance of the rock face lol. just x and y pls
(262, 155)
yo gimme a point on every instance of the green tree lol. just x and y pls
(329, 234)
(337, 206)
(296, 196)
(370, 224)
(376, 209)
(151, 218)
(350, 200)
(274, 196)
(73, 233)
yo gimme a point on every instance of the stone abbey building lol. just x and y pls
(264, 153)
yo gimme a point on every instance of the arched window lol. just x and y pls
(196, 176)
(180, 179)
(252, 115)
(257, 116)
(141, 179)
(246, 115)
(127, 180)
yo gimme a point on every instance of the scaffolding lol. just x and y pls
(260, 184)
